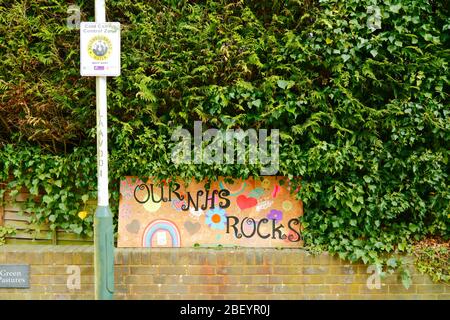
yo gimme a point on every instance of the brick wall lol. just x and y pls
(207, 274)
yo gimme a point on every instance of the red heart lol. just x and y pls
(244, 202)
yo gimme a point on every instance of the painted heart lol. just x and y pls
(177, 204)
(192, 227)
(245, 202)
(133, 227)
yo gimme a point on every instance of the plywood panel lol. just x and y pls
(15, 215)
(24, 225)
(249, 213)
(2, 213)
(45, 235)
(27, 241)
(62, 235)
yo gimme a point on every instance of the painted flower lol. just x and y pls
(216, 218)
(275, 215)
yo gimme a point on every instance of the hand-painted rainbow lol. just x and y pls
(158, 225)
(235, 192)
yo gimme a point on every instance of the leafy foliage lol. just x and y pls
(363, 112)
(4, 232)
(433, 258)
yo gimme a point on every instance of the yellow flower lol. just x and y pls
(82, 214)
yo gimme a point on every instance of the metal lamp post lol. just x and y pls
(103, 225)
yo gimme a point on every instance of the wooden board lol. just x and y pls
(249, 213)
(28, 241)
(15, 215)
(24, 225)
(2, 212)
(43, 235)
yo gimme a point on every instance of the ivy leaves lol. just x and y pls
(359, 93)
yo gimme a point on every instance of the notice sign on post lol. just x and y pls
(100, 49)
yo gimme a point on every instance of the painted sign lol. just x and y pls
(14, 276)
(248, 213)
(100, 49)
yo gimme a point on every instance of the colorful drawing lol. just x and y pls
(216, 218)
(263, 205)
(233, 193)
(276, 215)
(275, 191)
(177, 204)
(192, 228)
(265, 184)
(126, 189)
(195, 214)
(151, 206)
(256, 193)
(245, 202)
(254, 213)
(160, 227)
(134, 226)
(126, 211)
(287, 205)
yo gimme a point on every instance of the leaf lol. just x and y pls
(257, 103)
(283, 84)
(356, 208)
(85, 198)
(47, 199)
(406, 278)
(428, 37)
(395, 8)
(345, 57)
(78, 230)
(391, 262)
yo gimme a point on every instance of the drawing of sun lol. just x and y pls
(99, 47)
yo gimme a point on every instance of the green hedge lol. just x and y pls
(363, 113)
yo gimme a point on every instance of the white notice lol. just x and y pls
(100, 49)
